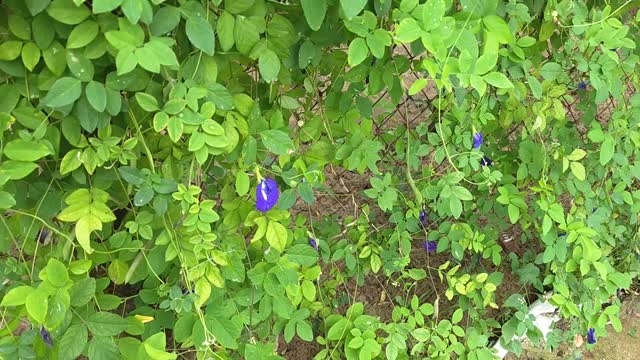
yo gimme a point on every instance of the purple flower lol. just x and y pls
(42, 235)
(267, 195)
(591, 336)
(485, 161)
(430, 246)
(313, 243)
(423, 217)
(582, 85)
(477, 140)
(46, 337)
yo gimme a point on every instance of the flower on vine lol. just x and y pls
(477, 140)
(485, 161)
(46, 336)
(423, 217)
(267, 194)
(582, 85)
(430, 246)
(313, 243)
(591, 336)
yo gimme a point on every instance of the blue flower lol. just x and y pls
(477, 140)
(267, 195)
(313, 243)
(46, 337)
(591, 336)
(430, 246)
(485, 161)
(582, 85)
(423, 217)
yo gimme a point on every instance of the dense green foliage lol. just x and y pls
(135, 135)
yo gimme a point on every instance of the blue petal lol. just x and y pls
(477, 140)
(591, 336)
(267, 195)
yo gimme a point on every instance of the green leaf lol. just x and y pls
(96, 95)
(147, 102)
(314, 12)
(432, 14)
(165, 20)
(269, 65)
(276, 141)
(175, 128)
(226, 331)
(303, 254)
(408, 30)
(66, 12)
(201, 34)
(358, 51)
(550, 71)
(276, 235)
(16, 296)
(578, 170)
(57, 273)
(82, 291)
(16, 170)
(498, 80)
(37, 304)
(238, 6)
(103, 348)
(143, 196)
(339, 329)
(225, 29)
(455, 205)
(352, 8)
(514, 213)
(103, 6)
(73, 342)
(10, 50)
(378, 41)
(117, 271)
(421, 334)
(536, 87)
(457, 316)
(83, 229)
(498, 28)
(7, 200)
(242, 183)
(36, 6)
(82, 34)
(607, 149)
(30, 55)
(462, 193)
(245, 34)
(478, 83)
(63, 92)
(418, 86)
(304, 331)
(106, 324)
(24, 150)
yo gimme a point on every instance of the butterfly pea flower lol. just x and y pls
(267, 195)
(430, 246)
(591, 336)
(485, 161)
(477, 140)
(423, 217)
(46, 337)
(313, 243)
(582, 85)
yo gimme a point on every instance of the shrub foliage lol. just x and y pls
(168, 167)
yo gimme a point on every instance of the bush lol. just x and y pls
(387, 179)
